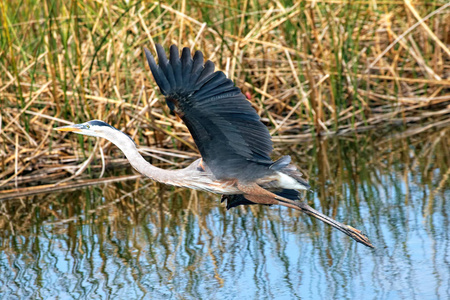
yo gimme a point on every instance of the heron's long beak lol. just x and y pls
(71, 128)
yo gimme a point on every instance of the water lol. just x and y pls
(162, 242)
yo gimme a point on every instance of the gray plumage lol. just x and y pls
(226, 129)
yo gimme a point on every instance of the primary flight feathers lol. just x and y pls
(226, 129)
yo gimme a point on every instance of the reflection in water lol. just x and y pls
(144, 239)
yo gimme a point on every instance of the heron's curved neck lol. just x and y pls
(128, 147)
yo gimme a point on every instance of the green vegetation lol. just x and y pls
(309, 68)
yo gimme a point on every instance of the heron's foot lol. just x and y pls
(352, 232)
(359, 236)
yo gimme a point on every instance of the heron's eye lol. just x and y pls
(87, 126)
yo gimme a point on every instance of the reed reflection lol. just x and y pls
(144, 239)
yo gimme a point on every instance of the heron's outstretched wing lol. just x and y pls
(226, 129)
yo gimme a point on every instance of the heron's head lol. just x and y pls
(101, 129)
(92, 128)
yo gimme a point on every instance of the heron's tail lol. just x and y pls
(284, 165)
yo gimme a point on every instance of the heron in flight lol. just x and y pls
(234, 144)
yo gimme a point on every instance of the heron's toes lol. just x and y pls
(359, 236)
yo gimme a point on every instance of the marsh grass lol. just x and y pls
(310, 68)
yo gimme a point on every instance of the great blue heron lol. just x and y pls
(234, 144)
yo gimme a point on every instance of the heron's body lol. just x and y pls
(198, 175)
(235, 146)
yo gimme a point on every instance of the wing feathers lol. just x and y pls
(226, 129)
(207, 74)
(186, 65)
(197, 68)
(159, 76)
(217, 84)
(176, 65)
(165, 65)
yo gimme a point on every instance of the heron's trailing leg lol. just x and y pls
(257, 194)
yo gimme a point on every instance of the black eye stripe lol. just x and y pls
(99, 123)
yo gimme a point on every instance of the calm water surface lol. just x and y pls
(144, 240)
